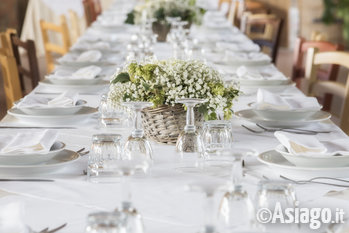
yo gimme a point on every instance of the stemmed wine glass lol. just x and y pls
(136, 143)
(189, 140)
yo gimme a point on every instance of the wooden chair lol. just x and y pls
(75, 31)
(6, 41)
(33, 72)
(330, 72)
(92, 9)
(318, 87)
(51, 47)
(221, 2)
(238, 8)
(10, 77)
(264, 30)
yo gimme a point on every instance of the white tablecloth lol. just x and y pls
(161, 197)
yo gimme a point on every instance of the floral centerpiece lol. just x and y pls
(162, 82)
(160, 9)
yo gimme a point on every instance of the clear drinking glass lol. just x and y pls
(126, 168)
(189, 140)
(111, 115)
(209, 188)
(136, 143)
(106, 149)
(106, 222)
(236, 210)
(269, 194)
(217, 138)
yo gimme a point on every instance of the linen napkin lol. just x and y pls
(89, 56)
(309, 145)
(87, 72)
(268, 100)
(65, 99)
(244, 73)
(11, 218)
(244, 46)
(99, 45)
(27, 143)
(252, 56)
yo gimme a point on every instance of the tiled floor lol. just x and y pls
(284, 63)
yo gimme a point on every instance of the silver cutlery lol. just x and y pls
(46, 230)
(295, 129)
(272, 130)
(314, 180)
(81, 152)
(26, 180)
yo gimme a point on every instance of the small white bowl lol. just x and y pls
(310, 161)
(30, 159)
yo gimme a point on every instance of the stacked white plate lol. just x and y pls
(309, 169)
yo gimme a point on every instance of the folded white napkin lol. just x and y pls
(99, 45)
(252, 56)
(65, 99)
(268, 100)
(11, 218)
(244, 46)
(89, 56)
(28, 143)
(87, 72)
(244, 73)
(309, 145)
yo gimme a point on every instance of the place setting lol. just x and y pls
(90, 57)
(274, 110)
(306, 158)
(64, 109)
(33, 154)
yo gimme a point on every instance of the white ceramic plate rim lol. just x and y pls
(76, 157)
(91, 111)
(293, 167)
(260, 119)
(100, 83)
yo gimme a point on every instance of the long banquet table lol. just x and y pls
(161, 198)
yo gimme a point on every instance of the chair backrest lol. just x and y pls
(269, 31)
(10, 78)
(92, 9)
(233, 12)
(6, 41)
(51, 47)
(33, 72)
(302, 46)
(318, 87)
(75, 31)
(238, 8)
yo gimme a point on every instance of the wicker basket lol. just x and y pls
(163, 124)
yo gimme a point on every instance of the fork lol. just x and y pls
(285, 130)
(313, 180)
(46, 230)
(293, 129)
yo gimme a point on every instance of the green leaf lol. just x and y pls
(122, 78)
(146, 86)
(130, 18)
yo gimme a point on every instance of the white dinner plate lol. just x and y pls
(60, 161)
(251, 115)
(53, 111)
(81, 115)
(93, 81)
(260, 82)
(311, 161)
(79, 87)
(32, 158)
(283, 167)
